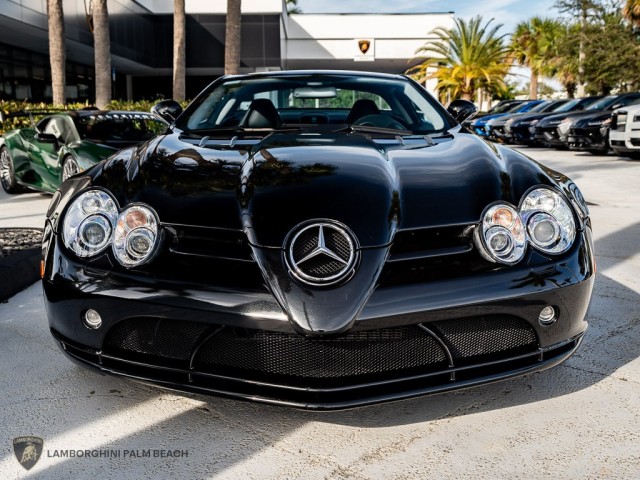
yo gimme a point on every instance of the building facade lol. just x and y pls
(142, 44)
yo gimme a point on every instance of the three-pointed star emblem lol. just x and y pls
(321, 249)
(321, 253)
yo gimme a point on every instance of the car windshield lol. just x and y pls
(541, 107)
(119, 127)
(293, 101)
(565, 107)
(602, 103)
(506, 107)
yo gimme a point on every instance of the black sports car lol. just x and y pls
(320, 240)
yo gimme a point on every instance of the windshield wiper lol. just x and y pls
(372, 129)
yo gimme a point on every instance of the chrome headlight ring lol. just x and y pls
(544, 219)
(93, 221)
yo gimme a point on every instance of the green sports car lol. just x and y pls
(68, 142)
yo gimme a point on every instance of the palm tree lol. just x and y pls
(232, 38)
(102, 52)
(57, 52)
(292, 6)
(631, 11)
(179, 47)
(470, 55)
(535, 44)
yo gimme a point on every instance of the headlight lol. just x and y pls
(544, 218)
(549, 220)
(501, 235)
(136, 235)
(578, 200)
(564, 126)
(601, 122)
(88, 224)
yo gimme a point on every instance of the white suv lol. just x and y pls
(624, 136)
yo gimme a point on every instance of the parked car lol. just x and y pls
(500, 107)
(522, 130)
(497, 126)
(591, 133)
(553, 130)
(319, 240)
(624, 135)
(68, 142)
(479, 125)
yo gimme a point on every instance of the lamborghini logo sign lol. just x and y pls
(364, 46)
(28, 450)
(365, 50)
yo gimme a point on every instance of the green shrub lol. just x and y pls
(8, 107)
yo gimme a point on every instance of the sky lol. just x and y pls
(507, 12)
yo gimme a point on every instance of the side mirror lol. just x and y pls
(462, 110)
(46, 137)
(167, 110)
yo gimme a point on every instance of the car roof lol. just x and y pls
(328, 73)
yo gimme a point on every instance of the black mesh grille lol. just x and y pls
(293, 359)
(354, 354)
(153, 340)
(471, 338)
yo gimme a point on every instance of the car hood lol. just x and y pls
(270, 187)
(594, 117)
(570, 115)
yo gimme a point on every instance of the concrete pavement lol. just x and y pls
(23, 210)
(578, 420)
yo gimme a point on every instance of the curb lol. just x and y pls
(19, 270)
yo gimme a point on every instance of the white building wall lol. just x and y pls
(331, 40)
(213, 6)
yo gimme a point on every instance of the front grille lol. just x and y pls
(291, 359)
(635, 142)
(215, 243)
(471, 339)
(206, 256)
(239, 351)
(154, 340)
(431, 242)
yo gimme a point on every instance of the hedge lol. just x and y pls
(19, 122)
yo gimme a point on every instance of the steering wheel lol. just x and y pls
(382, 121)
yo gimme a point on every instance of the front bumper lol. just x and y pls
(550, 136)
(625, 142)
(590, 139)
(408, 341)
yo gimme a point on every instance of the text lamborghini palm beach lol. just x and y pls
(318, 239)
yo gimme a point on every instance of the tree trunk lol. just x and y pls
(582, 56)
(232, 38)
(102, 49)
(57, 52)
(533, 86)
(179, 47)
